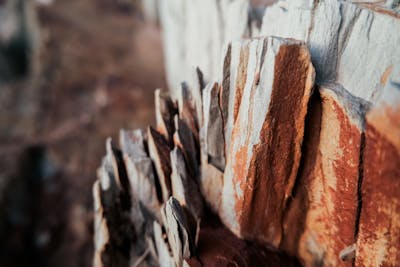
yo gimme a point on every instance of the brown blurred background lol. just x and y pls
(72, 72)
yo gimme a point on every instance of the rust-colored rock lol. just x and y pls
(264, 152)
(328, 185)
(378, 241)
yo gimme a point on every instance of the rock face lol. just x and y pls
(266, 131)
(326, 201)
(379, 228)
(280, 150)
(339, 35)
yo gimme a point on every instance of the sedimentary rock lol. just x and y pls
(185, 140)
(114, 230)
(212, 147)
(269, 129)
(327, 197)
(165, 110)
(213, 127)
(283, 155)
(340, 34)
(140, 171)
(179, 231)
(184, 185)
(159, 153)
(165, 258)
(378, 242)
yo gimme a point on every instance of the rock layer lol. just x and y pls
(379, 226)
(256, 187)
(282, 154)
(327, 190)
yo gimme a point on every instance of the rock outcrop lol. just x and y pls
(281, 149)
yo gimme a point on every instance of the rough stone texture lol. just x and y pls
(185, 140)
(114, 230)
(340, 34)
(165, 258)
(330, 182)
(233, 82)
(378, 241)
(213, 127)
(165, 112)
(256, 187)
(143, 183)
(180, 236)
(184, 186)
(159, 153)
(280, 152)
(211, 148)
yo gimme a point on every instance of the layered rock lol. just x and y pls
(325, 203)
(340, 35)
(283, 154)
(149, 209)
(379, 224)
(268, 129)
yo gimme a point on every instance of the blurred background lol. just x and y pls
(72, 72)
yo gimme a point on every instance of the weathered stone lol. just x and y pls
(165, 112)
(185, 140)
(264, 153)
(178, 230)
(165, 258)
(159, 153)
(212, 147)
(184, 186)
(378, 242)
(238, 143)
(144, 186)
(331, 183)
(213, 127)
(339, 35)
(211, 178)
(188, 110)
(114, 230)
(233, 83)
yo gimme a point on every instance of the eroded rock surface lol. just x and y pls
(268, 129)
(379, 226)
(284, 153)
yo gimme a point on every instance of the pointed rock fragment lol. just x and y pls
(264, 153)
(165, 111)
(179, 232)
(213, 127)
(114, 230)
(188, 110)
(144, 185)
(184, 186)
(185, 140)
(232, 85)
(159, 153)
